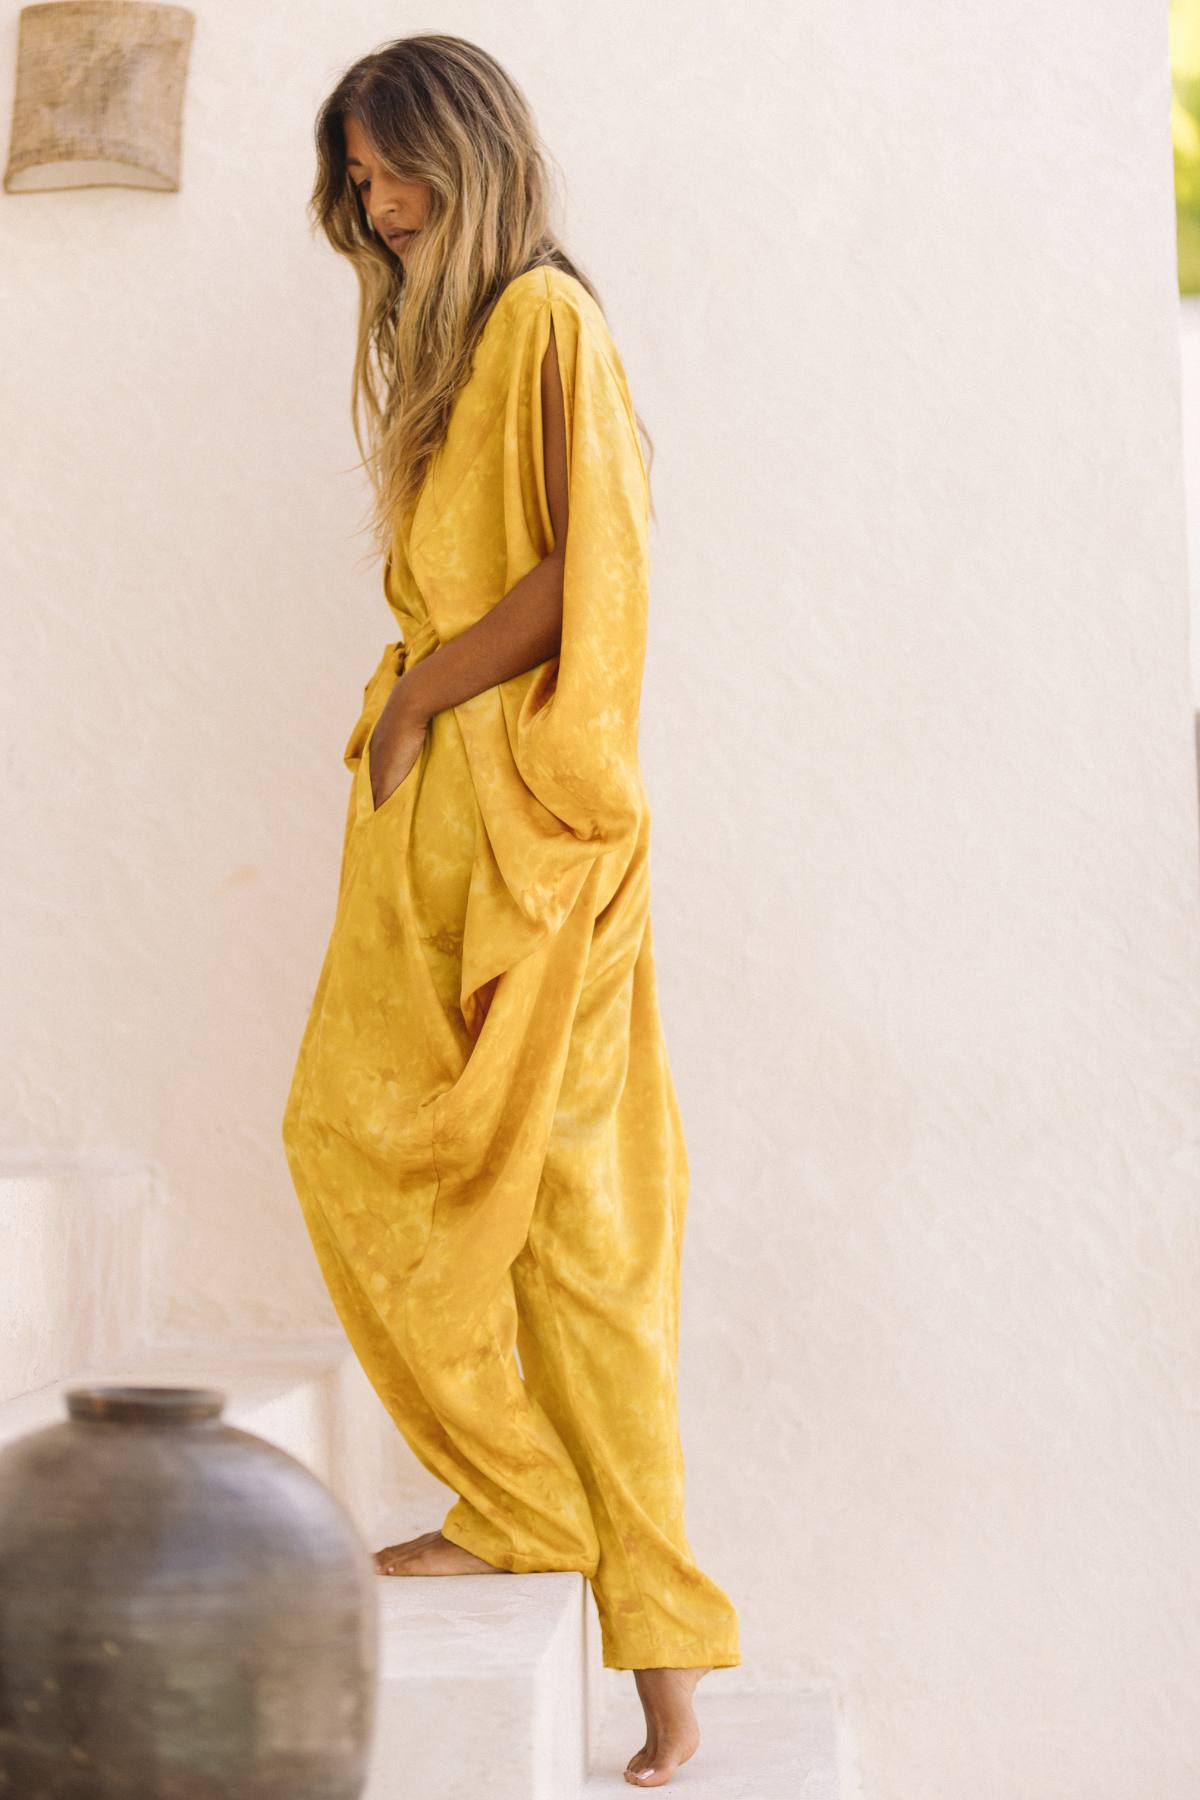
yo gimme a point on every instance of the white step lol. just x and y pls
(773, 1743)
(482, 1689)
(281, 1390)
(71, 1277)
(482, 1693)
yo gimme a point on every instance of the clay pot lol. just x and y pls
(186, 1613)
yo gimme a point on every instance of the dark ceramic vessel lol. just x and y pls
(186, 1613)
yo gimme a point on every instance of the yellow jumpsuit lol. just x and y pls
(482, 1126)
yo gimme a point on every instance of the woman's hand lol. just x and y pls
(394, 745)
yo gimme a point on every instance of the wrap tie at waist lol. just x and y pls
(419, 638)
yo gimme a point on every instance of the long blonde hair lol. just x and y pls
(436, 109)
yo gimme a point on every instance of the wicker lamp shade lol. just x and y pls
(99, 96)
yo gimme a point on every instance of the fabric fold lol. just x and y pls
(553, 751)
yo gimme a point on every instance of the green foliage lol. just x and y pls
(1184, 28)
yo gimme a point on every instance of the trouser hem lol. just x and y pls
(512, 1562)
(688, 1659)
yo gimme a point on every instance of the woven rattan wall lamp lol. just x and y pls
(99, 97)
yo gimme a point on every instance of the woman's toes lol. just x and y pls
(393, 1557)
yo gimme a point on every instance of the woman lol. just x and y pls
(482, 1126)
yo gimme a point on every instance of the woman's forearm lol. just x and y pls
(523, 629)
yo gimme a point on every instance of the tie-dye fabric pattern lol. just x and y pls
(482, 1127)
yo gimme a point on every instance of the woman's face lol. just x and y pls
(395, 208)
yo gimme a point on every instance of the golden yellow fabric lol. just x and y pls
(482, 1126)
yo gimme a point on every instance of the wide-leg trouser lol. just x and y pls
(525, 1192)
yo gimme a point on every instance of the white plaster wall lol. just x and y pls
(895, 289)
(1189, 340)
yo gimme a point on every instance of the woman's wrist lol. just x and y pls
(412, 706)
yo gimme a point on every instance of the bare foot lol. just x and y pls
(431, 1554)
(672, 1734)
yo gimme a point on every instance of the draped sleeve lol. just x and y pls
(575, 732)
(553, 751)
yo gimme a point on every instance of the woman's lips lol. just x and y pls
(397, 239)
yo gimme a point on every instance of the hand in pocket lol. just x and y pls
(393, 748)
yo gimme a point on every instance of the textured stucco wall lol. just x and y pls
(1189, 338)
(895, 290)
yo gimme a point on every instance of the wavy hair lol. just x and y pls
(440, 110)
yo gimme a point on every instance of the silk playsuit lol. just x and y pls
(482, 1126)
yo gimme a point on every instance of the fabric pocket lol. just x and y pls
(372, 810)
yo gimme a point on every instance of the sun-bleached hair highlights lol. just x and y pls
(440, 110)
